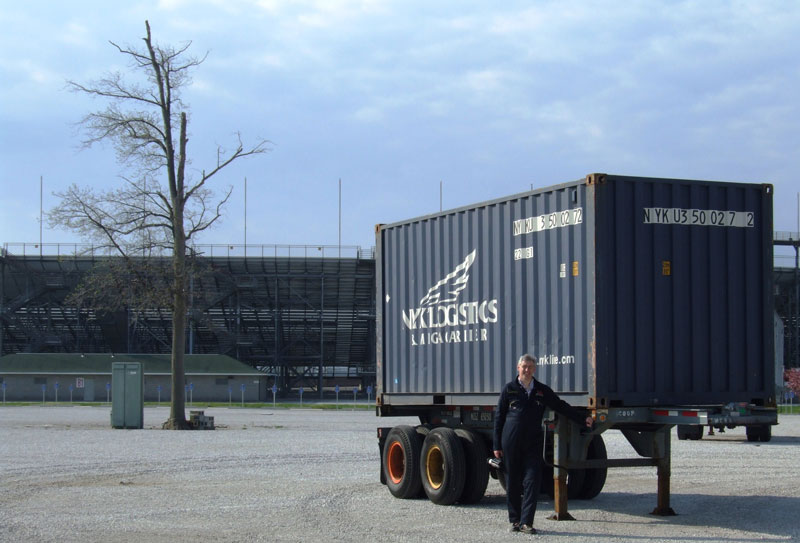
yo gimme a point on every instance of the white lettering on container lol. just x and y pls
(523, 253)
(698, 217)
(548, 221)
(555, 360)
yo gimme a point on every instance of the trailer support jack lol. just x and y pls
(559, 473)
(560, 498)
(663, 508)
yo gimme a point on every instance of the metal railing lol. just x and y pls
(785, 236)
(84, 250)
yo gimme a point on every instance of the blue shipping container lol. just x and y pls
(629, 291)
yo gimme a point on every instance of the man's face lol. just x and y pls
(526, 370)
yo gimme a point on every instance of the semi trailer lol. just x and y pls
(647, 303)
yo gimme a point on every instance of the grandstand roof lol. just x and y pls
(153, 364)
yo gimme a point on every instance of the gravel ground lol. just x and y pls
(311, 475)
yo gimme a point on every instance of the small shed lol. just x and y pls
(87, 377)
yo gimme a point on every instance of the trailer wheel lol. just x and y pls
(761, 432)
(442, 466)
(401, 462)
(476, 471)
(690, 431)
(594, 479)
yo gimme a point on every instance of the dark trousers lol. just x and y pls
(523, 479)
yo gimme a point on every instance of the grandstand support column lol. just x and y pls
(277, 359)
(321, 334)
(189, 316)
(2, 297)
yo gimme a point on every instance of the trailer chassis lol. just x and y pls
(647, 429)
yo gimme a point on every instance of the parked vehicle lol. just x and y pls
(647, 302)
(731, 416)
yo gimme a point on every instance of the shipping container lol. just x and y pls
(629, 291)
(647, 303)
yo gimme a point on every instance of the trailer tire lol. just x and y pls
(401, 462)
(690, 431)
(476, 470)
(761, 433)
(442, 466)
(594, 479)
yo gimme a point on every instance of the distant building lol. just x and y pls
(87, 377)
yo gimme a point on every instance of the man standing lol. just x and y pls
(519, 439)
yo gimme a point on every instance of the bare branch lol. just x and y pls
(153, 212)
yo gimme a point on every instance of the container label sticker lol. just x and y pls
(699, 217)
(548, 221)
(523, 253)
(440, 311)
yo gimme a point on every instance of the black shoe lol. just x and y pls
(514, 527)
(525, 529)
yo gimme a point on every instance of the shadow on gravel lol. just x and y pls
(776, 440)
(773, 515)
(780, 440)
(489, 501)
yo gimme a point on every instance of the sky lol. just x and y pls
(413, 105)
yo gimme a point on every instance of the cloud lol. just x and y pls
(75, 34)
(488, 81)
(369, 114)
(22, 70)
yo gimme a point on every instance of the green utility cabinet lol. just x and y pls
(127, 395)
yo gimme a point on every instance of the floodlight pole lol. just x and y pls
(41, 205)
(245, 216)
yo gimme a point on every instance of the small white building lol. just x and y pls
(87, 377)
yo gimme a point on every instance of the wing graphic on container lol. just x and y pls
(448, 289)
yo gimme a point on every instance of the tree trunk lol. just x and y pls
(177, 414)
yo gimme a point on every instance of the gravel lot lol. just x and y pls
(311, 475)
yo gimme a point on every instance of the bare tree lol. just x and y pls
(147, 123)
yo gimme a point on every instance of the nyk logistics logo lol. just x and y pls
(440, 308)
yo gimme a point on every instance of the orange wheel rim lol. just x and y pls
(396, 462)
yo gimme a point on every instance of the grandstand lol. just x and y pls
(303, 315)
(787, 294)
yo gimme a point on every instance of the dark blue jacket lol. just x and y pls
(518, 418)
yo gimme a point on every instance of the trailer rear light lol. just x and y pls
(676, 413)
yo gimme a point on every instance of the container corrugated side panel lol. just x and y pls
(684, 292)
(463, 294)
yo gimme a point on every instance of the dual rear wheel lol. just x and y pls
(448, 465)
(761, 433)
